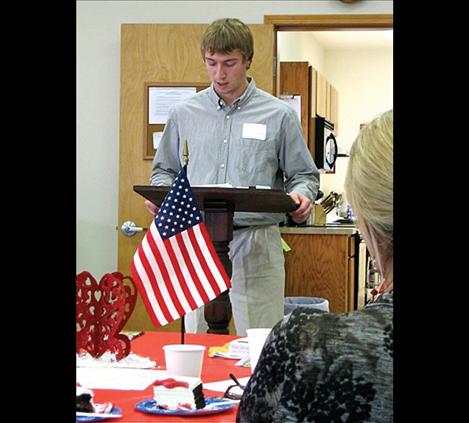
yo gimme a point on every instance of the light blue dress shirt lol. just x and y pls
(258, 140)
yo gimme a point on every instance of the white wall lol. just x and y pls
(364, 81)
(98, 62)
(300, 47)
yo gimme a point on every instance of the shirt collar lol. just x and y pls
(219, 103)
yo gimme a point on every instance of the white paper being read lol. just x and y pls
(116, 378)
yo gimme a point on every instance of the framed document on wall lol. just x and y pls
(159, 98)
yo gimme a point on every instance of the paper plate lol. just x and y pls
(114, 410)
(213, 406)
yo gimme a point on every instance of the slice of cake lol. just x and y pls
(85, 403)
(179, 393)
(85, 400)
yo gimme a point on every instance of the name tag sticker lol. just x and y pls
(254, 130)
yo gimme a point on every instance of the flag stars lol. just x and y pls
(180, 210)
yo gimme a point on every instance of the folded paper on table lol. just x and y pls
(116, 378)
(236, 349)
(109, 359)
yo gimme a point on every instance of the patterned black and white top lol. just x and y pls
(325, 367)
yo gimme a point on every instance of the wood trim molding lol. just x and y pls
(320, 22)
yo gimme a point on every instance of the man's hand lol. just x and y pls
(304, 209)
(152, 208)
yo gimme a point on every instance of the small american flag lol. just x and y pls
(176, 268)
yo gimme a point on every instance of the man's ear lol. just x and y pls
(248, 64)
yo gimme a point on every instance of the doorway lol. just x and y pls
(340, 45)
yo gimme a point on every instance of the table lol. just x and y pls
(150, 345)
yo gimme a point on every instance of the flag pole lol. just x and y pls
(185, 157)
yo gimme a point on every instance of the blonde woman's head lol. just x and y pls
(369, 181)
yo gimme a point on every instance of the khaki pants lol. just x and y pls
(258, 281)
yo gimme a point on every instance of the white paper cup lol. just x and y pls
(256, 341)
(184, 359)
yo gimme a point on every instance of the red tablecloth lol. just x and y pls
(150, 345)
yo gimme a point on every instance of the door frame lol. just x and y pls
(328, 22)
(324, 23)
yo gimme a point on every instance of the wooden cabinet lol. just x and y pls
(323, 265)
(321, 95)
(327, 100)
(296, 79)
(318, 96)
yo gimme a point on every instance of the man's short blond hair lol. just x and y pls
(227, 35)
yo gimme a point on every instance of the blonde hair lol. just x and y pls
(369, 178)
(225, 35)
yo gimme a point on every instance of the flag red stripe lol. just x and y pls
(203, 264)
(153, 269)
(141, 289)
(213, 253)
(206, 284)
(164, 274)
(177, 270)
(152, 278)
(191, 285)
(190, 267)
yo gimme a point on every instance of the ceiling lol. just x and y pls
(329, 40)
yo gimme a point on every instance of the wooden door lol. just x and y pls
(161, 53)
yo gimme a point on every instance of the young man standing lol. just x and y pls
(241, 135)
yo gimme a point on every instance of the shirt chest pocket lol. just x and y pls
(252, 155)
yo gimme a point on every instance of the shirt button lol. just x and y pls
(227, 117)
(225, 141)
(239, 107)
(222, 165)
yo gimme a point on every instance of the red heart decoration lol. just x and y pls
(102, 310)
